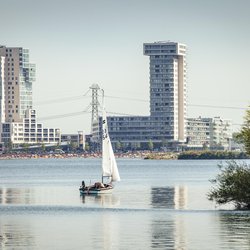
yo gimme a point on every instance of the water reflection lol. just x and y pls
(169, 197)
(105, 200)
(162, 234)
(169, 233)
(15, 234)
(16, 196)
(235, 230)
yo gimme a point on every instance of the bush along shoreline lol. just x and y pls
(212, 155)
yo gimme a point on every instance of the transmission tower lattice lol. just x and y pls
(94, 104)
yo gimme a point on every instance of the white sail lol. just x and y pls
(109, 166)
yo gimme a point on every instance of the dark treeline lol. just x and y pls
(212, 155)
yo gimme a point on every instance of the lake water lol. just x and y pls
(157, 205)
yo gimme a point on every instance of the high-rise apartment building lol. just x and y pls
(18, 123)
(168, 87)
(19, 75)
(168, 108)
(2, 87)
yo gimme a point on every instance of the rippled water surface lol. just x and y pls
(157, 205)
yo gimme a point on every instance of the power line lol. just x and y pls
(127, 98)
(213, 106)
(192, 105)
(88, 112)
(65, 115)
(65, 99)
(73, 98)
(124, 114)
(79, 97)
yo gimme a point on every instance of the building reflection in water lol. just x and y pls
(16, 196)
(168, 230)
(169, 197)
(15, 234)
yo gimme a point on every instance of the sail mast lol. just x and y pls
(109, 166)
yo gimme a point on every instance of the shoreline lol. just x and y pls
(146, 155)
(12, 156)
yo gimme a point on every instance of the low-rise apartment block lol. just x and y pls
(29, 131)
(213, 133)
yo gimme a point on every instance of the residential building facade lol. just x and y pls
(2, 92)
(168, 104)
(19, 76)
(77, 139)
(18, 123)
(213, 133)
(29, 131)
(168, 83)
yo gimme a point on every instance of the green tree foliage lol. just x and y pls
(26, 147)
(58, 146)
(118, 145)
(73, 146)
(87, 147)
(150, 145)
(232, 185)
(8, 146)
(237, 138)
(187, 155)
(43, 148)
(244, 134)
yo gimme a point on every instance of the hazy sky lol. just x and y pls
(77, 43)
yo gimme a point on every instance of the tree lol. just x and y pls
(205, 146)
(26, 147)
(150, 145)
(58, 146)
(8, 146)
(236, 137)
(244, 134)
(43, 148)
(73, 146)
(232, 185)
(87, 147)
(118, 145)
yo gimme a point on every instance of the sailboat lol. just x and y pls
(109, 165)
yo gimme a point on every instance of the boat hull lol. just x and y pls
(91, 190)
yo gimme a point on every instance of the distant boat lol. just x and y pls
(109, 165)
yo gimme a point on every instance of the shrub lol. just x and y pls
(232, 185)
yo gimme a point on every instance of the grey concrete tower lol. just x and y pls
(168, 104)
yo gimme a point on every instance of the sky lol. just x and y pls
(77, 43)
